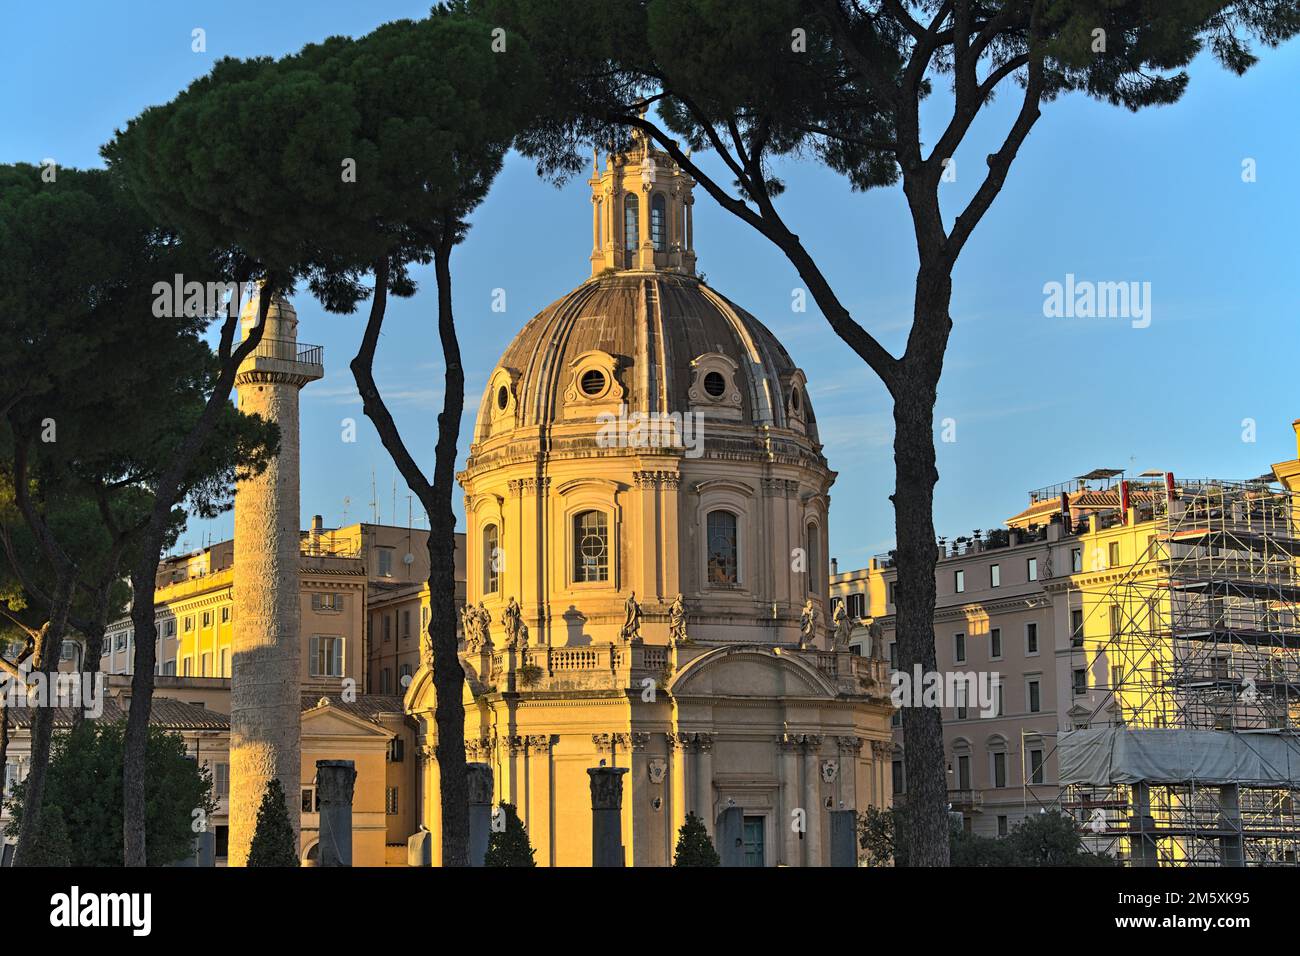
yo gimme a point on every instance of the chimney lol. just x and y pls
(835, 565)
(317, 524)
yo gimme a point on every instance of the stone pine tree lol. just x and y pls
(273, 843)
(842, 82)
(256, 221)
(509, 846)
(694, 848)
(87, 425)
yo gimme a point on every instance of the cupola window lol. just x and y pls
(715, 384)
(659, 223)
(591, 547)
(631, 229)
(593, 382)
(722, 548)
(491, 566)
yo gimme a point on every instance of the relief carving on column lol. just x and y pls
(609, 743)
(639, 740)
(813, 741)
(704, 743)
(850, 745)
(482, 747)
(882, 749)
(538, 743)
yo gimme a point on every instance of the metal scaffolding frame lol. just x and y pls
(1201, 633)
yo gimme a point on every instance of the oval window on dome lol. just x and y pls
(715, 384)
(794, 399)
(593, 382)
(503, 398)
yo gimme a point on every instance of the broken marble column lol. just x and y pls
(480, 811)
(335, 781)
(607, 815)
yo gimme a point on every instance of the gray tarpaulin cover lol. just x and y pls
(1104, 756)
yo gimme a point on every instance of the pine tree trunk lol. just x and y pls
(448, 675)
(45, 661)
(925, 825)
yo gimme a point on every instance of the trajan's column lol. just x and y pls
(265, 730)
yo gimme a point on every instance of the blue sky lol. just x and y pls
(1098, 192)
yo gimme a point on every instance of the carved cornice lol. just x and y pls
(657, 479)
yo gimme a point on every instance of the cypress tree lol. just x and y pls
(694, 848)
(273, 839)
(510, 846)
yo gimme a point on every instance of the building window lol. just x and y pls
(999, 700)
(221, 780)
(889, 591)
(959, 704)
(386, 681)
(406, 624)
(225, 662)
(659, 222)
(1002, 825)
(959, 648)
(491, 542)
(310, 800)
(995, 643)
(327, 657)
(189, 624)
(591, 547)
(631, 229)
(388, 627)
(722, 548)
(1076, 627)
(1036, 765)
(999, 759)
(207, 619)
(995, 575)
(1076, 560)
(404, 675)
(326, 601)
(814, 549)
(1031, 638)
(857, 606)
(1031, 567)
(205, 665)
(390, 801)
(396, 750)
(1080, 681)
(225, 615)
(384, 557)
(169, 669)
(1033, 693)
(1113, 555)
(963, 772)
(1116, 620)
(187, 667)
(959, 581)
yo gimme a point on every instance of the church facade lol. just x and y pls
(646, 507)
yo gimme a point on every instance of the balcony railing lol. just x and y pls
(285, 350)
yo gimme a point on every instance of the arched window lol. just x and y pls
(590, 547)
(722, 548)
(659, 222)
(631, 229)
(491, 560)
(814, 549)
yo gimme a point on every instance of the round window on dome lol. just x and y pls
(715, 384)
(794, 399)
(593, 382)
(503, 398)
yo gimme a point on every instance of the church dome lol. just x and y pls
(652, 342)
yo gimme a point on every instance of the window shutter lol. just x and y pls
(338, 602)
(315, 600)
(338, 657)
(315, 647)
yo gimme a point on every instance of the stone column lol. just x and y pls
(704, 780)
(606, 815)
(1143, 849)
(677, 789)
(812, 800)
(266, 671)
(335, 780)
(789, 776)
(480, 811)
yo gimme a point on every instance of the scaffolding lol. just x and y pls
(1198, 633)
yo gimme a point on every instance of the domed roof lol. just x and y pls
(654, 342)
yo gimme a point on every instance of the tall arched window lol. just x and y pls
(491, 560)
(659, 222)
(631, 229)
(814, 549)
(722, 565)
(590, 547)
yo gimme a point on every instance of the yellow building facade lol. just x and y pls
(646, 560)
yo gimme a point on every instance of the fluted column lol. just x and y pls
(788, 769)
(812, 800)
(704, 779)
